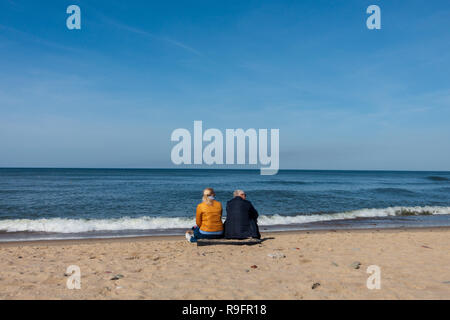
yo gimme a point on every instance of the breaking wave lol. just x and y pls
(362, 213)
(61, 225)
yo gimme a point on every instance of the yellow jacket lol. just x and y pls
(209, 217)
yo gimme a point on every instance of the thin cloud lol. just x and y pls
(152, 36)
(30, 37)
(182, 45)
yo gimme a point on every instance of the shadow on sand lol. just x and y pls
(234, 242)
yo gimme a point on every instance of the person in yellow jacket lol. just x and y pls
(208, 218)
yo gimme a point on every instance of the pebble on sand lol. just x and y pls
(315, 285)
(117, 277)
(355, 265)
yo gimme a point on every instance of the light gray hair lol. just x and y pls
(237, 192)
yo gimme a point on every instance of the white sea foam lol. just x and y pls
(362, 213)
(62, 225)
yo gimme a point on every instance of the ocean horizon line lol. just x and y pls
(219, 169)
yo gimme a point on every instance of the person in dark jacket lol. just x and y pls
(242, 218)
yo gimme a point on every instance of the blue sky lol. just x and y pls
(110, 94)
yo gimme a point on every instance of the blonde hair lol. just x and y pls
(206, 193)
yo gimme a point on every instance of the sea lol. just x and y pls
(48, 204)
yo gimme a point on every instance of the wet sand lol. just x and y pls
(286, 265)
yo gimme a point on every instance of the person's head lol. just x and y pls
(239, 193)
(208, 195)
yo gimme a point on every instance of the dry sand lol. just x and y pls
(414, 265)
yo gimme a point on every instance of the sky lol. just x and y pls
(110, 94)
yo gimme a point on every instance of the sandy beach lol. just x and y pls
(413, 263)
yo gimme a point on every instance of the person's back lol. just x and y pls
(209, 216)
(241, 221)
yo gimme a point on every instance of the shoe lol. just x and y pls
(189, 236)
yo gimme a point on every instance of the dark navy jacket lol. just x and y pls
(241, 220)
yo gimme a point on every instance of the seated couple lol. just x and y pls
(241, 221)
